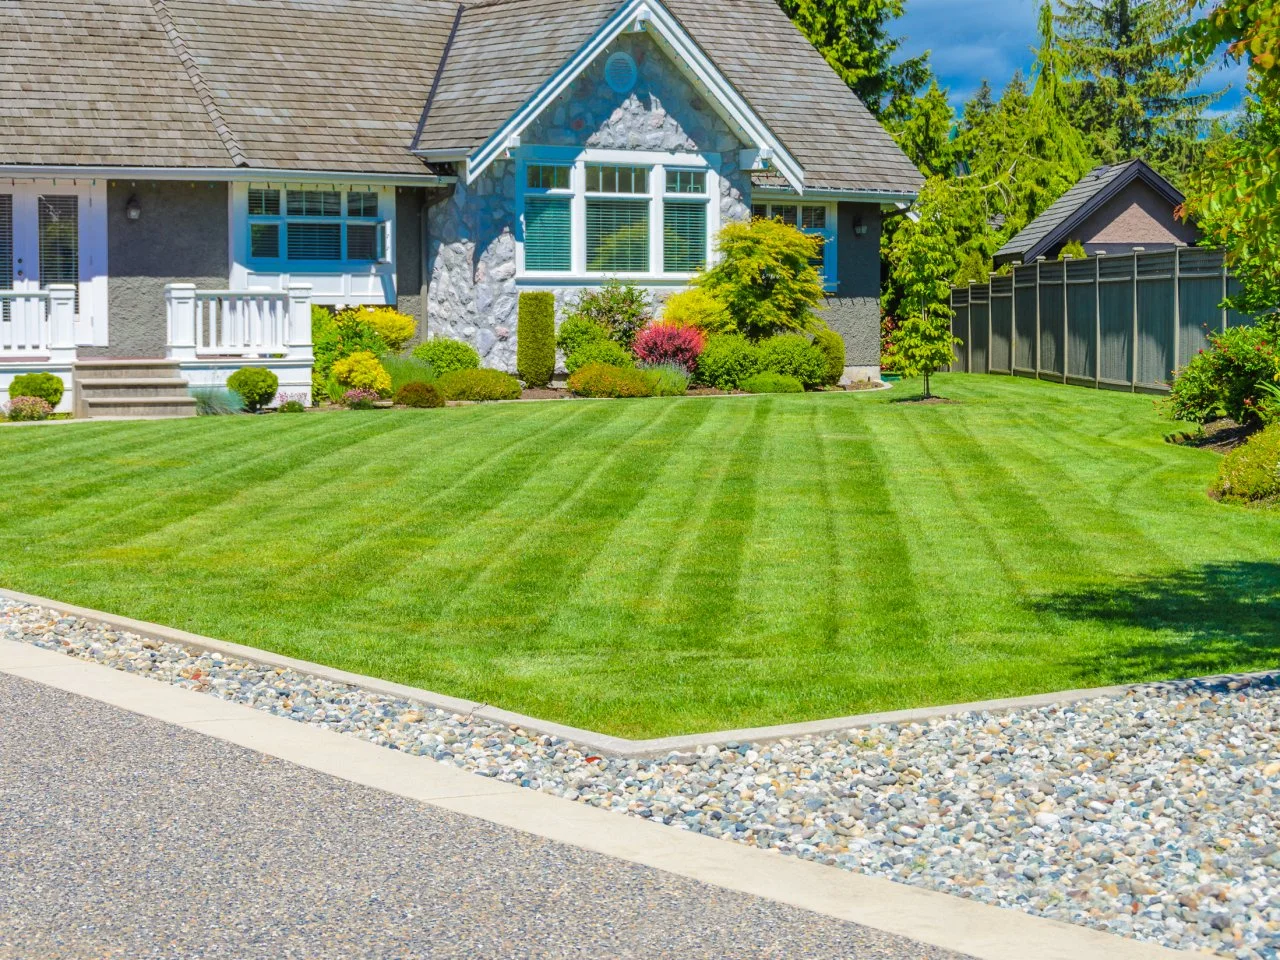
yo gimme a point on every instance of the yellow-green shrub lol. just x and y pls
(395, 328)
(1251, 473)
(362, 371)
(697, 308)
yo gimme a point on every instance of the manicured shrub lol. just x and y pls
(1226, 379)
(622, 309)
(832, 346)
(765, 278)
(536, 338)
(727, 360)
(697, 308)
(404, 368)
(292, 406)
(419, 395)
(359, 399)
(256, 386)
(447, 356)
(46, 386)
(363, 371)
(479, 385)
(603, 380)
(668, 379)
(26, 409)
(576, 332)
(664, 343)
(769, 382)
(1251, 473)
(395, 328)
(602, 351)
(334, 338)
(794, 356)
(216, 402)
(1072, 248)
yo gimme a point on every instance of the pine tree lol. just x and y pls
(855, 37)
(926, 134)
(1127, 87)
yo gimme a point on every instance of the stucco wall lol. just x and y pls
(411, 205)
(473, 294)
(181, 237)
(1138, 216)
(854, 312)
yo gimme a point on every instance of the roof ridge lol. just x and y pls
(220, 127)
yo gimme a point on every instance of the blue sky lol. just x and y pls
(972, 39)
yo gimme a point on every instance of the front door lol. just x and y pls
(43, 242)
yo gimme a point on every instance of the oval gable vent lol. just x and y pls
(620, 73)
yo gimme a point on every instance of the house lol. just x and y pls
(1113, 209)
(181, 179)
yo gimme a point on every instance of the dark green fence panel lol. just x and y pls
(1082, 331)
(1199, 314)
(1052, 318)
(1024, 319)
(1115, 314)
(960, 330)
(1000, 359)
(979, 333)
(1156, 294)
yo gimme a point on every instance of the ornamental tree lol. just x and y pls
(766, 278)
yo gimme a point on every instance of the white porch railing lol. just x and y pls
(238, 323)
(39, 323)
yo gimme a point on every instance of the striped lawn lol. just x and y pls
(664, 566)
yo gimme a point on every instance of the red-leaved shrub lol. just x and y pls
(663, 343)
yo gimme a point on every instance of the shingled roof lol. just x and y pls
(354, 85)
(1053, 227)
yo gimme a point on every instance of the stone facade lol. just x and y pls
(473, 295)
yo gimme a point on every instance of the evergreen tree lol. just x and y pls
(856, 39)
(1128, 88)
(926, 134)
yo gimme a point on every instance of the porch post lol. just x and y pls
(180, 309)
(62, 323)
(298, 344)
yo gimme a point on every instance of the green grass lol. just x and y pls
(663, 566)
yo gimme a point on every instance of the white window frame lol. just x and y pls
(830, 278)
(338, 283)
(577, 159)
(281, 261)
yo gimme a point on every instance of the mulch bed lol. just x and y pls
(924, 401)
(545, 393)
(1220, 436)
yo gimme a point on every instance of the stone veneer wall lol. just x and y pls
(473, 294)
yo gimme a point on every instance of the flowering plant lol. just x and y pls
(360, 399)
(29, 408)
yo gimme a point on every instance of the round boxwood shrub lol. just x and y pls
(363, 371)
(769, 382)
(604, 380)
(793, 355)
(536, 338)
(1251, 473)
(727, 360)
(26, 409)
(576, 332)
(256, 386)
(832, 346)
(419, 395)
(602, 351)
(447, 356)
(478, 385)
(45, 386)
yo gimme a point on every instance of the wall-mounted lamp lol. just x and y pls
(133, 209)
(860, 226)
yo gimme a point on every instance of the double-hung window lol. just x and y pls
(609, 216)
(817, 220)
(316, 225)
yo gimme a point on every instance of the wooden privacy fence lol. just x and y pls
(1123, 321)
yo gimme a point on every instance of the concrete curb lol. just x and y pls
(978, 930)
(599, 743)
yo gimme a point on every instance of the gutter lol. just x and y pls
(230, 174)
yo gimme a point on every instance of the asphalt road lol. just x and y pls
(121, 836)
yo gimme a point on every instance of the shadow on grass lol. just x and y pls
(1205, 620)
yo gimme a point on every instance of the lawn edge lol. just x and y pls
(601, 743)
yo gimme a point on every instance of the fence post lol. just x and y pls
(968, 330)
(1225, 289)
(1066, 328)
(62, 323)
(1097, 321)
(990, 277)
(180, 312)
(1177, 310)
(298, 345)
(1133, 361)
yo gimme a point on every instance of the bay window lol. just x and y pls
(815, 219)
(616, 214)
(316, 225)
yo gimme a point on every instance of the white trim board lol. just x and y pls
(652, 17)
(20, 173)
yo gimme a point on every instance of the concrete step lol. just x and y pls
(149, 407)
(125, 369)
(133, 387)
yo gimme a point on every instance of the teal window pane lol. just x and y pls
(618, 236)
(547, 233)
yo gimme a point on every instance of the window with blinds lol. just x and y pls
(618, 236)
(314, 241)
(362, 204)
(548, 233)
(264, 241)
(310, 224)
(59, 227)
(362, 242)
(684, 242)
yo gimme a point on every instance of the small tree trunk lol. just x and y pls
(927, 394)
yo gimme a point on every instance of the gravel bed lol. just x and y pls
(1152, 815)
